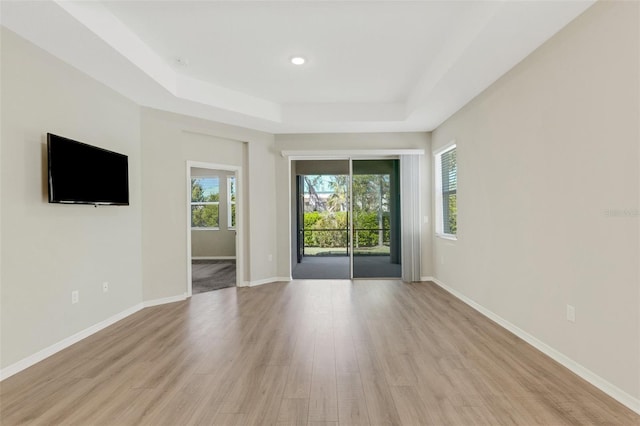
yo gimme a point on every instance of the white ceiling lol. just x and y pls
(372, 66)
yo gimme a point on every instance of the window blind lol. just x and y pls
(449, 189)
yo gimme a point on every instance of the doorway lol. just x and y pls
(347, 215)
(213, 227)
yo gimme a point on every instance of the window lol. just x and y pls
(446, 192)
(205, 202)
(231, 202)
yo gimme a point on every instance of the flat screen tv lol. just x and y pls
(85, 174)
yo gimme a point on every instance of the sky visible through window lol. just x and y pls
(209, 187)
(322, 183)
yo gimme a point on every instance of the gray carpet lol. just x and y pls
(208, 275)
(322, 267)
(375, 267)
(337, 267)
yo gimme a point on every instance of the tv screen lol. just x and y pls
(85, 174)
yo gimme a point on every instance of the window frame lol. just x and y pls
(230, 202)
(439, 199)
(204, 203)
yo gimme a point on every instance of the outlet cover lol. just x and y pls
(571, 313)
(105, 286)
(75, 297)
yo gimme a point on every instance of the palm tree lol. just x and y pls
(337, 202)
(315, 202)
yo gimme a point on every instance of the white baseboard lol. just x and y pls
(588, 375)
(165, 300)
(213, 257)
(65, 343)
(426, 278)
(267, 281)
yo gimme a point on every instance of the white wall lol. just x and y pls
(168, 142)
(346, 141)
(48, 250)
(544, 154)
(219, 242)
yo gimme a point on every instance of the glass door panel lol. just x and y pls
(323, 250)
(375, 189)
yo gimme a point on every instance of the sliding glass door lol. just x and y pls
(348, 219)
(375, 189)
(323, 249)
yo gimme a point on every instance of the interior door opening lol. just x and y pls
(213, 227)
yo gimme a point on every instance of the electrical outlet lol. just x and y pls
(571, 313)
(270, 258)
(442, 260)
(75, 297)
(105, 286)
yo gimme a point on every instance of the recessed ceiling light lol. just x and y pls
(298, 60)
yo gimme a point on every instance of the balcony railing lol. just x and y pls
(335, 242)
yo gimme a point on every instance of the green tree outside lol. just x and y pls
(204, 215)
(326, 226)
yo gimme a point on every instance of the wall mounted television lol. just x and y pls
(84, 174)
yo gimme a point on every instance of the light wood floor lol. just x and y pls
(308, 353)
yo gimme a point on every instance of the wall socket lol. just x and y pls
(75, 297)
(105, 286)
(270, 257)
(571, 313)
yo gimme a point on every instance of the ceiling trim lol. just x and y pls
(99, 20)
(336, 154)
(486, 42)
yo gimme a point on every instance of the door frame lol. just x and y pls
(239, 218)
(350, 155)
